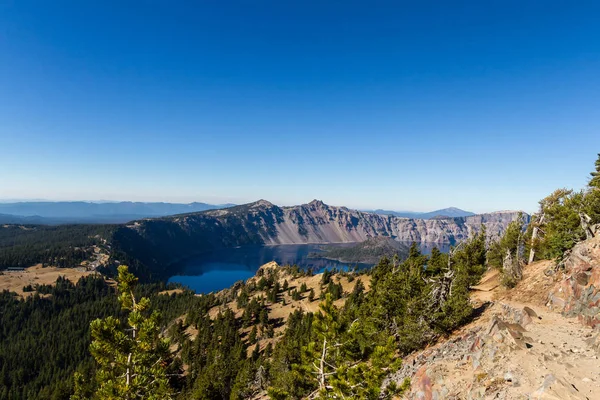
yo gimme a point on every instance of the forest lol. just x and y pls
(47, 335)
(62, 246)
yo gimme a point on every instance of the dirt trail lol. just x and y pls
(559, 347)
(517, 348)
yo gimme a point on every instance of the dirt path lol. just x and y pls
(516, 349)
(558, 348)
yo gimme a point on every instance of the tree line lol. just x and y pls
(62, 246)
(564, 218)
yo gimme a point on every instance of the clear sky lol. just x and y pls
(483, 105)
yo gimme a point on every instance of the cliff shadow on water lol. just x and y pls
(219, 269)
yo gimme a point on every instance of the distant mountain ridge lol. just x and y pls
(36, 220)
(48, 212)
(317, 222)
(153, 246)
(159, 242)
(450, 212)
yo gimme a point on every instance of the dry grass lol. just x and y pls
(285, 306)
(170, 292)
(14, 281)
(533, 288)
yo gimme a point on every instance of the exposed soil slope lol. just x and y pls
(519, 347)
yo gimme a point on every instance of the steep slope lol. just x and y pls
(317, 222)
(535, 341)
(155, 244)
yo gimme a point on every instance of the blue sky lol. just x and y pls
(399, 105)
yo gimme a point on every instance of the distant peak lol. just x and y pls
(316, 202)
(262, 203)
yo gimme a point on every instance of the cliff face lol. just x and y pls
(156, 243)
(317, 222)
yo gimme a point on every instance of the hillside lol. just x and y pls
(535, 341)
(286, 304)
(156, 244)
(317, 222)
(368, 252)
(60, 246)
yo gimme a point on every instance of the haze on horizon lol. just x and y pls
(391, 105)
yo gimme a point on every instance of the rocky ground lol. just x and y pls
(536, 341)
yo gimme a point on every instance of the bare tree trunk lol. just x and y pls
(507, 263)
(534, 235)
(128, 374)
(441, 290)
(322, 365)
(585, 224)
(512, 267)
(133, 332)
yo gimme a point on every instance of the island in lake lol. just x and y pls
(368, 252)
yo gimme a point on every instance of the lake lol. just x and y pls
(219, 269)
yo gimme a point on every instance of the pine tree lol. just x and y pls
(336, 369)
(506, 254)
(556, 227)
(253, 335)
(263, 317)
(296, 295)
(437, 262)
(595, 181)
(132, 360)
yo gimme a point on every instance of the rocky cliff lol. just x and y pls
(154, 244)
(577, 293)
(317, 222)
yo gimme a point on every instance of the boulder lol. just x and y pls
(577, 294)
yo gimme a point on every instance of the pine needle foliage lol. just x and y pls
(595, 181)
(334, 362)
(132, 358)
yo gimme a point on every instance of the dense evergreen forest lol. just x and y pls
(46, 337)
(66, 246)
(62, 246)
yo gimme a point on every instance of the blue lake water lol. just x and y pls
(220, 269)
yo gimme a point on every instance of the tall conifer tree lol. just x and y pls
(595, 181)
(132, 359)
